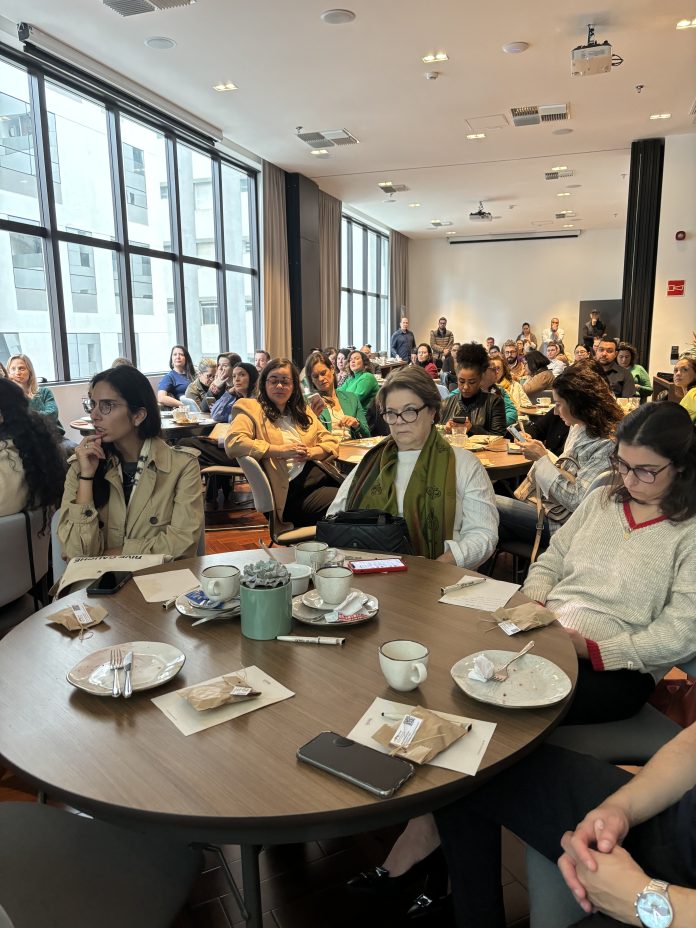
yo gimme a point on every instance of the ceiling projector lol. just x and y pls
(480, 215)
(593, 58)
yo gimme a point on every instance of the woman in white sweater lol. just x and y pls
(620, 575)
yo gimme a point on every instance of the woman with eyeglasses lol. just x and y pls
(127, 491)
(198, 390)
(685, 381)
(294, 448)
(581, 353)
(175, 383)
(457, 524)
(361, 381)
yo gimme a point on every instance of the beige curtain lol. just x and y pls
(329, 267)
(276, 289)
(398, 277)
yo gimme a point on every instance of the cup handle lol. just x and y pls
(419, 673)
(213, 594)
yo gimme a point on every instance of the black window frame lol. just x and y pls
(348, 223)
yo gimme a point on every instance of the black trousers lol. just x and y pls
(541, 797)
(309, 495)
(210, 454)
(607, 695)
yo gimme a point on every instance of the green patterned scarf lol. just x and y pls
(431, 495)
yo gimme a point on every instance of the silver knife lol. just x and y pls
(128, 666)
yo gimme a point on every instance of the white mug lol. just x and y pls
(333, 584)
(404, 664)
(220, 583)
(312, 553)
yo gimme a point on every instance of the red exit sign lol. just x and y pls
(675, 288)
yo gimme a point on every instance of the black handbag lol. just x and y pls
(366, 530)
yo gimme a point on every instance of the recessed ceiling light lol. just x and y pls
(476, 135)
(337, 17)
(385, 184)
(515, 48)
(451, 233)
(319, 153)
(562, 131)
(414, 205)
(566, 212)
(560, 167)
(435, 56)
(568, 225)
(574, 185)
(160, 42)
(565, 194)
(686, 24)
(225, 85)
(660, 115)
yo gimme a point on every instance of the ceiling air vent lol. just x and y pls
(566, 214)
(134, 7)
(388, 187)
(554, 175)
(326, 138)
(534, 115)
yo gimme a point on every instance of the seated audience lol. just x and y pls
(504, 379)
(292, 445)
(620, 380)
(514, 360)
(627, 357)
(556, 363)
(127, 491)
(490, 342)
(243, 382)
(618, 833)
(586, 405)
(424, 359)
(32, 466)
(540, 376)
(342, 368)
(198, 389)
(261, 359)
(449, 363)
(529, 340)
(117, 362)
(489, 385)
(361, 381)
(3, 372)
(494, 351)
(581, 353)
(457, 525)
(485, 411)
(340, 412)
(331, 353)
(685, 381)
(222, 381)
(550, 430)
(173, 385)
(21, 371)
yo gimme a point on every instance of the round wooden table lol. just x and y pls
(171, 431)
(240, 782)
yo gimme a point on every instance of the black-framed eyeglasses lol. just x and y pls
(106, 407)
(410, 414)
(641, 473)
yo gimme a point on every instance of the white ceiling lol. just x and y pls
(293, 70)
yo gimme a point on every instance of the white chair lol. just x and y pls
(23, 566)
(442, 390)
(190, 403)
(263, 503)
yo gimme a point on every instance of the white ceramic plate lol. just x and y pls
(186, 607)
(364, 442)
(154, 663)
(534, 682)
(309, 616)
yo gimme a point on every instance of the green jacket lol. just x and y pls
(364, 385)
(351, 406)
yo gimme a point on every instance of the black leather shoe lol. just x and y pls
(370, 881)
(435, 909)
(378, 882)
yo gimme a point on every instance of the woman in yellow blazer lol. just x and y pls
(127, 491)
(294, 448)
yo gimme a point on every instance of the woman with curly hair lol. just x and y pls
(685, 381)
(294, 448)
(32, 468)
(485, 411)
(587, 405)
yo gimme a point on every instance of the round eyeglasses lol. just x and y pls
(410, 414)
(640, 473)
(106, 407)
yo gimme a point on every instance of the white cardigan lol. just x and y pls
(13, 485)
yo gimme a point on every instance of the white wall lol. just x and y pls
(491, 288)
(674, 317)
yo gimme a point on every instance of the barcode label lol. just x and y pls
(81, 614)
(509, 628)
(404, 734)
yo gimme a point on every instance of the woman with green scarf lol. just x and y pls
(443, 492)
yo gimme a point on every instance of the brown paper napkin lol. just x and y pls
(232, 687)
(420, 736)
(522, 618)
(79, 617)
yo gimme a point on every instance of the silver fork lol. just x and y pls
(500, 674)
(116, 663)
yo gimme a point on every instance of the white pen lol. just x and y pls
(300, 639)
(462, 584)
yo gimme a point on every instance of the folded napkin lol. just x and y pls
(350, 606)
(483, 669)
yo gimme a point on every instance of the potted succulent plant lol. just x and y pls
(265, 598)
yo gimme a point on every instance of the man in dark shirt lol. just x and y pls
(403, 341)
(592, 328)
(620, 380)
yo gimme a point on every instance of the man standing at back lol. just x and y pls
(441, 341)
(620, 379)
(403, 341)
(553, 334)
(592, 328)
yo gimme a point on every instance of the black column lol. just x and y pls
(640, 255)
(302, 205)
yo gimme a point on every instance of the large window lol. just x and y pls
(120, 233)
(364, 286)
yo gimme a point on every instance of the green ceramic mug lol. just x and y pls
(266, 613)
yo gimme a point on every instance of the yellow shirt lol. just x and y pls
(689, 403)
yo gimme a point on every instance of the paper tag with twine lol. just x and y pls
(232, 687)
(523, 618)
(425, 735)
(79, 617)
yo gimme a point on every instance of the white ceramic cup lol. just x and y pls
(299, 575)
(333, 584)
(220, 583)
(544, 401)
(404, 664)
(312, 553)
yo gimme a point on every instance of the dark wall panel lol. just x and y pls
(302, 197)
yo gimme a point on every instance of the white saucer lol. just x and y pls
(186, 607)
(312, 599)
(308, 616)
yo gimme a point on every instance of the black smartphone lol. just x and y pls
(109, 582)
(460, 420)
(378, 773)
